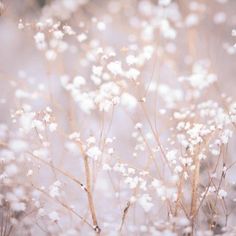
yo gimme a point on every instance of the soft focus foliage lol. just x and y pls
(117, 117)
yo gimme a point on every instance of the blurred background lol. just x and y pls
(180, 33)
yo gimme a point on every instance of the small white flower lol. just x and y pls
(11, 170)
(106, 167)
(20, 25)
(132, 73)
(91, 140)
(54, 216)
(115, 67)
(39, 37)
(138, 126)
(146, 202)
(234, 32)
(94, 152)
(101, 26)
(78, 81)
(58, 34)
(54, 189)
(18, 206)
(219, 18)
(132, 182)
(131, 59)
(192, 20)
(164, 2)
(40, 40)
(128, 100)
(222, 193)
(29, 173)
(172, 155)
(18, 145)
(68, 30)
(97, 70)
(74, 136)
(50, 55)
(52, 127)
(82, 37)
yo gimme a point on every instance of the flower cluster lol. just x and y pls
(118, 118)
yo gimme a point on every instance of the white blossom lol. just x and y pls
(54, 216)
(94, 152)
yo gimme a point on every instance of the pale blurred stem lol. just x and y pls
(89, 194)
(195, 184)
(223, 174)
(64, 205)
(180, 186)
(125, 211)
(59, 170)
(191, 40)
(87, 189)
(156, 136)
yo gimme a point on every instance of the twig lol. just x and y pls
(125, 211)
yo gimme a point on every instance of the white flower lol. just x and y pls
(54, 216)
(110, 151)
(68, 30)
(222, 193)
(132, 73)
(172, 155)
(40, 41)
(54, 189)
(86, 102)
(18, 145)
(82, 37)
(58, 34)
(106, 167)
(20, 25)
(201, 80)
(148, 52)
(132, 182)
(94, 152)
(74, 136)
(115, 67)
(41, 152)
(41, 212)
(38, 124)
(192, 20)
(11, 170)
(219, 18)
(226, 135)
(51, 55)
(178, 169)
(91, 140)
(138, 125)
(39, 37)
(101, 26)
(29, 173)
(78, 81)
(52, 127)
(128, 100)
(26, 121)
(18, 206)
(97, 70)
(71, 147)
(131, 59)
(234, 32)
(164, 2)
(166, 29)
(146, 202)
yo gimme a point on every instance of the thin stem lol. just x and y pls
(195, 190)
(89, 194)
